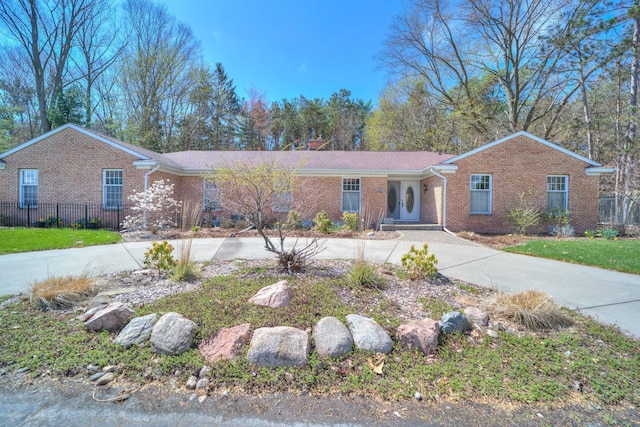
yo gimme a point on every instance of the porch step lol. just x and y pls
(410, 226)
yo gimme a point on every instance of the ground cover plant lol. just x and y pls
(619, 255)
(518, 366)
(14, 240)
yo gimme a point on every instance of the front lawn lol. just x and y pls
(14, 240)
(620, 255)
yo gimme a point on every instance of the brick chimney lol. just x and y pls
(317, 144)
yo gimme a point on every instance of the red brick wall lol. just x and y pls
(431, 201)
(519, 165)
(70, 166)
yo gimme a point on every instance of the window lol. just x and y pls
(282, 202)
(351, 194)
(29, 188)
(112, 188)
(210, 196)
(480, 194)
(557, 193)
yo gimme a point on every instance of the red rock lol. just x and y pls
(226, 344)
(420, 334)
(274, 296)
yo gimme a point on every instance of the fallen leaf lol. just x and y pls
(378, 364)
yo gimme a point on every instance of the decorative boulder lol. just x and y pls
(112, 317)
(137, 331)
(420, 334)
(368, 335)
(332, 338)
(226, 344)
(172, 334)
(274, 296)
(455, 321)
(279, 346)
(477, 316)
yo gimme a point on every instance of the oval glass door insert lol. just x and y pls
(409, 199)
(392, 199)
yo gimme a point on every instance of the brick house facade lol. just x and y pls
(473, 191)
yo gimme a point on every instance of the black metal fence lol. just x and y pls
(73, 215)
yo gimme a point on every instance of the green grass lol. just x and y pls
(14, 240)
(533, 368)
(620, 255)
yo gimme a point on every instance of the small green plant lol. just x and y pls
(322, 222)
(351, 221)
(364, 274)
(92, 222)
(590, 234)
(184, 268)
(524, 215)
(419, 263)
(159, 256)
(435, 307)
(609, 233)
(560, 217)
(49, 222)
(294, 220)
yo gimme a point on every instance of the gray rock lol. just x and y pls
(492, 333)
(96, 376)
(21, 370)
(420, 334)
(279, 346)
(112, 317)
(88, 314)
(274, 296)
(172, 334)
(368, 335)
(332, 338)
(455, 321)
(109, 368)
(192, 382)
(105, 379)
(477, 316)
(92, 368)
(137, 331)
(202, 384)
(204, 371)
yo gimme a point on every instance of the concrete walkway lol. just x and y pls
(609, 296)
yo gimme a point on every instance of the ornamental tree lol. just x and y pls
(154, 209)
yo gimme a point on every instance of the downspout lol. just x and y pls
(146, 184)
(444, 200)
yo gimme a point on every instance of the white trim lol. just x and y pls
(444, 198)
(78, 129)
(105, 186)
(342, 191)
(489, 191)
(598, 171)
(528, 135)
(565, 191)
(21, 201)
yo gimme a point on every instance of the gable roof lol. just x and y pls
(530, 136)
(134, 150)
(383, 162)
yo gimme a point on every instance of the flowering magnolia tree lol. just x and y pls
(262, 193)
(154, 209)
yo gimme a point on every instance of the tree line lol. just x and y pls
(460, 74)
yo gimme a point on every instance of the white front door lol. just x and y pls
(410, 201)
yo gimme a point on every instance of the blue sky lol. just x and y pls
(296, 47)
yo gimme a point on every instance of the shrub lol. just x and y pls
(590, 234)
(351, 221)
(294, 220)
(524, 215)
(559, 217)
(49, 222)
(155, 209)
(608, 233)
(185, 269)
(92, 222)
(322, 222)
(563, 230)
(419, 263)
(62, 293)
(533, 309)
(159, 256)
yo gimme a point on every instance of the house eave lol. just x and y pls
(598, 171)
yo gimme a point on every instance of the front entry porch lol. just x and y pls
(388, 225)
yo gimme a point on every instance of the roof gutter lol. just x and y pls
(444, 199)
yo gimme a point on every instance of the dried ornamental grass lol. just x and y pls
(533, 309)
(60, 293)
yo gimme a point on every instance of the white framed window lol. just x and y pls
(29, 188)
(112, 188)
(480, 194)
(557, 193)
(350, 194)
(210, 196)
(282, 202)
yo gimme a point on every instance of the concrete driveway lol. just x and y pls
(609, 296)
